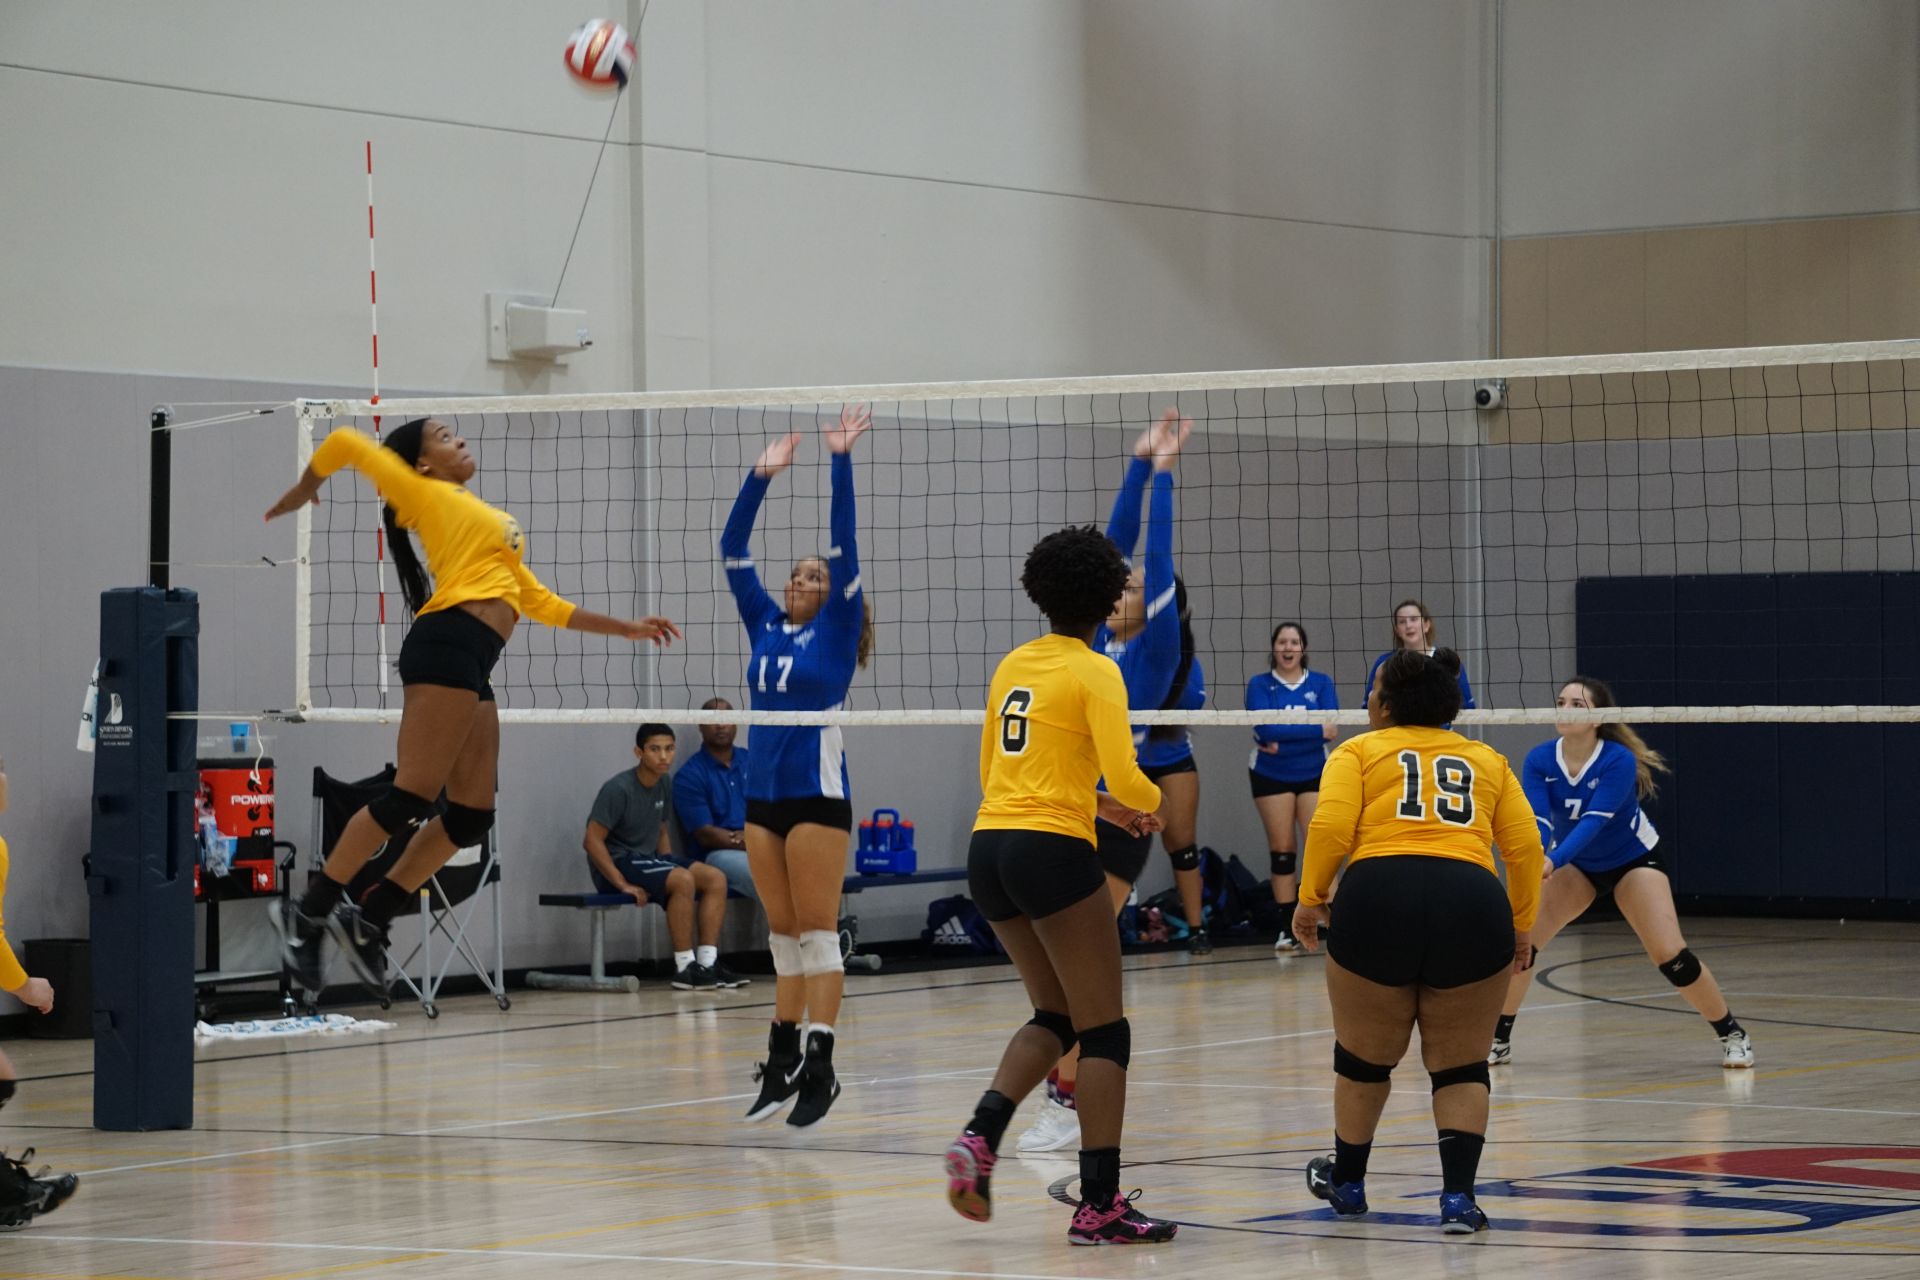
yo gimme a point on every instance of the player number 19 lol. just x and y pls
(1453, 783)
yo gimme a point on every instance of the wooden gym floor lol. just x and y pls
(587, 1135)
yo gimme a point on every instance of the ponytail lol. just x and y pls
(1645, 759)
(406, 562)
(406, 440)
(865, 649)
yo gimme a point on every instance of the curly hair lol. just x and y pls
(1075, 575)
(1421, 690)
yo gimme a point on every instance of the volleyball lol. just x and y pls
(600, 53)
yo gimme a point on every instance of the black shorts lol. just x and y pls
(1155, 772)
(1263, 786)
(782, 816)
(453, 648)
(649, 873)
(1604, 882)
(1122, 854)
(1030, 873)
(1407, 920)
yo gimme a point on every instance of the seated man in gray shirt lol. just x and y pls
(630, 851)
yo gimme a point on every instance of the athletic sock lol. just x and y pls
(681, 959)
(708, 956)
(1350, 1159)
(1727, 1025)
(1099, 1176)
(1460, 1159)
(820, 1044)
(1286, 916)
(380, 904)
(991, 1116)
(1503, 1029)
(783, 1041)
(322, 896)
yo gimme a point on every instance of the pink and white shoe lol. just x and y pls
(970, 1164)
(1118, 1223)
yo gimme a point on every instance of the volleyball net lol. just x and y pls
(1534, 506)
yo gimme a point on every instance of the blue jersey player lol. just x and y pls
(1413, 629)
(799, 816)
(1284, 768)
(1585, 787)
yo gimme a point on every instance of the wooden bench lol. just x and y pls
(597, 905)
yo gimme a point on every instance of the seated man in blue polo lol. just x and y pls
(630, 850)
(710, 799)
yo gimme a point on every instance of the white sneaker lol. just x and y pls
(1056, 1127)
(1285, 944)
(1736, 1051)
(1501, 1053)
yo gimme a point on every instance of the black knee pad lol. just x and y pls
(1683, 970)
(1473, 1073)
(1187, 859)
(396, 810)
(466, 826)
(1114, 1042)
(1354, 1067)
(1058, 1023)
(1281, 864)
(7, 1088)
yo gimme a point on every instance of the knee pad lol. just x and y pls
(786, 954)
(1281, 864)
(1472, 1073)
(1058, 1023)
(820, 952)
(395, 810)
(7, 1088)
(1683, 970)
(1354, 1067)
(1114, 1042)
(466, 826)
(1187, 859)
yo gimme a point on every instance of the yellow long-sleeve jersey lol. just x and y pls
(1056, 724)
(11, 974)
(473, 549)
(1423, 791)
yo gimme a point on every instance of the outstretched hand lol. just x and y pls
(658, 630)
(1161, 443)
(777, 456)
(855, 421)
(302, 493)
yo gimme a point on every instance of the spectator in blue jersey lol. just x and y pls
(799, 816)
(1413, 629)
(1286, 762)
(710, 799)
(1585, 788)
(1150, 634)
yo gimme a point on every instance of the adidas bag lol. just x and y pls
(956, 927)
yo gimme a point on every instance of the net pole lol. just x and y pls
(379, 528)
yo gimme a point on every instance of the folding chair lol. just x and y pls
(451, 896)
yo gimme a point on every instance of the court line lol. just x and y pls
(555, 1255)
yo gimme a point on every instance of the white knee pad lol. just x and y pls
(787, 956)
(820, 952)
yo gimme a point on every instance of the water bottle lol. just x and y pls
(239, 731)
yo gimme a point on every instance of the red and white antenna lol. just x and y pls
(379, 527)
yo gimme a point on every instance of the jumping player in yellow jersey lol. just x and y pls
(449, 723)
(22, 1195)
(1422, 932)
(1057, 722)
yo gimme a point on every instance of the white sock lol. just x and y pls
(708, 955)
(681, 959)
(824, 1028)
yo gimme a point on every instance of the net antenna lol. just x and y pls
(381, 665)
(1322, 496)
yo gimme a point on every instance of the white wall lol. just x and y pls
(1656, 113)
(859, 190)
(185, 189)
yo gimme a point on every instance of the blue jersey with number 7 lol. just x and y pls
(1589, 817)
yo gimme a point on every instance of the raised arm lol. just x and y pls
(403, 488)
(736, 553)
(843, 555)
(1123, 526)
